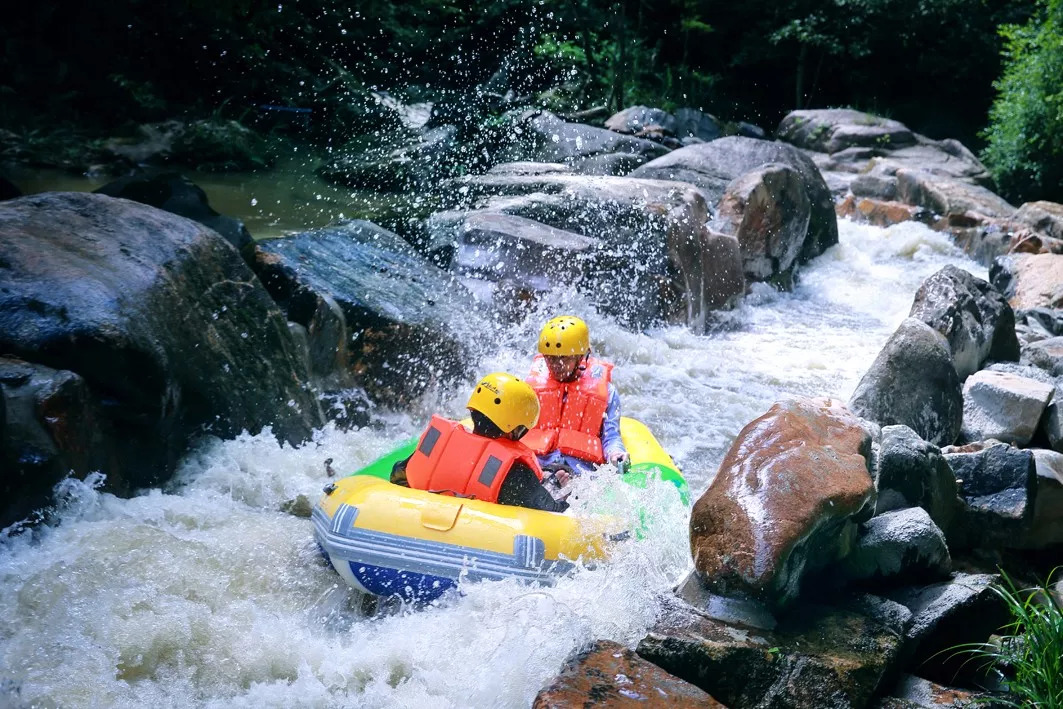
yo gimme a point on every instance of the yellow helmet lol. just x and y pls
(565, 335)
(507, 400)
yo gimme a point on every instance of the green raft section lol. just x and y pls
(648, 460)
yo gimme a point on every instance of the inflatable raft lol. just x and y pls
(389, 540)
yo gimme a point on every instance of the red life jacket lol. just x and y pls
(452, 460)
(570, 413)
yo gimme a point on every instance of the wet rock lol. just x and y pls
(399, 309)
(637, 118)
(1029, 280)
(898, 544)
(208, 144)
(880, 187)
(961, 610)
(175, 193)
(785, 501)
(1046, 217)
(913, 473)
(608, 674)
(50, 427)
(835, 129)
(654, 261)
(502, 247)
(1051, 425)
(749, 130)
(879, 213)
(1046, 322)
(947, 195)
(298, 506)
(544, 137)
(767, 210)
(913, 382)
(402, 162)
(918, 693)
(1045, 354)
(530, 168)
(818, 656)
(1002, 406)
(612, 164)
(712, 166)
(972, 315)
(998, 484)
(692, 123)
(167, 326)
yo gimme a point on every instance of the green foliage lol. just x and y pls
(1024, 150)
(1029, 656)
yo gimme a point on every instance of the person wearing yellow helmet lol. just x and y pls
(579, 420)
(488, 463)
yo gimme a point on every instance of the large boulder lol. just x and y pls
(767, 210)
(913, 473)
(1045, 217)
(395, 163)
(653, 259)
(913, 382)
(544, 137)
(175, 193)
(637, 118)
(1002, 406)
(949, 196)
(712, 166)
(785, 501)
(692, 123)
(169, 329)
(51, 426)
(832, 130)
(972, 315)
(818, 656)
(608, 674)
(1029, 280)
(401, 312)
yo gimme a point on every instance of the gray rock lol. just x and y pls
(1045, 217)
(544, 137)
(1051, 425)
(818, 656)
(913, 382)
(944, 615)
(972, 315)
(874, 186)
(404, 314)
(947, 196)
(918, 693)
(712, 166)
(1003, 406)
(692, 123)
(835, 129)
(748, 130)
(1029, 280)
(998, 485)
(913, 473)
(613, 164)
(636, 118)
(767, 210)
(530, 168)
(398, 163)
(1045, 354)
(1046, 529)
(170, 330)
(898, 544)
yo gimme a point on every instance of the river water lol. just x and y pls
(206, 594)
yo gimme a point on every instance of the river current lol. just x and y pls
(206, 594)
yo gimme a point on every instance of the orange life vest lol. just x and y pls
(452, 460)
(570, 413)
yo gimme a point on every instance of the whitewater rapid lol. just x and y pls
(206, 594)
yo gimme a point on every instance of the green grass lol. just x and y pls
(1028, 655)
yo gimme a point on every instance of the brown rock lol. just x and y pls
(1035, 281)
(784, 502)
(610, 675)
(881, 213)
(1046, 217)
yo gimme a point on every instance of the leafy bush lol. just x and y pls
(1029, 656)
(1024, 149)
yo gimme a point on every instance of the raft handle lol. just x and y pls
(329, 489)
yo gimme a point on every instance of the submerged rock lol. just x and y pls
(608, 674)
(913, 382)
(169, 329)
(785, 501)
